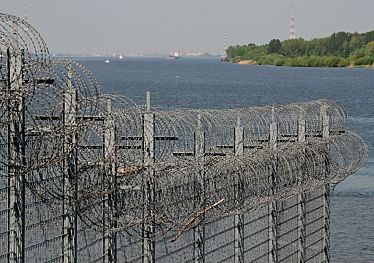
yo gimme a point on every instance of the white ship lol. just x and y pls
(176, 55)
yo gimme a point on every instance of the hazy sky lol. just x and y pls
(160, 26)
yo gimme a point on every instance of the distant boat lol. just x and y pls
(120, 57)
(176, 55)
(107, 61)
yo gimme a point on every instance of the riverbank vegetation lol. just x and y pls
(341, 49)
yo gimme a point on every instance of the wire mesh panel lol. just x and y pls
(288, 230)
(314, 225)
(256, 235)
(89, 246)
(171, 249)
(3, 198)
(43, 232)
(129, 245)
(219, 241)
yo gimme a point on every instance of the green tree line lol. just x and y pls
(338, 50)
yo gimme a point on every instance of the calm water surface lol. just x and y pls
(208, 83)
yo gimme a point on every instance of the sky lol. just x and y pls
(162, 26)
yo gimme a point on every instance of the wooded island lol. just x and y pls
(341, 49)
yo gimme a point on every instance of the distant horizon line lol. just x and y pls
(187, 53)
(114, 55)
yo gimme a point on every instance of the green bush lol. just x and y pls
(279, 62)
(343, 63)
(330, 61)
(364, 61)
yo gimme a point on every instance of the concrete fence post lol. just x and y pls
(70, 173)
(148, 184)
(272, 207)
(16, 156)
(199, 230)
(239, 218)
(325, 119)
(301, 138)
(109, 237)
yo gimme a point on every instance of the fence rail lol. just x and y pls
(92, 177)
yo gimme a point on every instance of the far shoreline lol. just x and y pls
(253, 62)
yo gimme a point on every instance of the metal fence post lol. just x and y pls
(272, 207)
(109, 238)
(16, 157)
(199, 230)
(148, 184)
(326, 191)
(69, 248)
(301, 138)
(239, 218)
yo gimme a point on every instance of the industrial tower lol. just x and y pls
(292, 24)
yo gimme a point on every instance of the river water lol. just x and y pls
(209, 83)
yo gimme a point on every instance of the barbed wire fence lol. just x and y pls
(92, 177)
